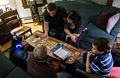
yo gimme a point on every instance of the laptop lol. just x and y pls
(61, 51)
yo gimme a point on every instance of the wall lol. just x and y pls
(12, 4)
(3, 3)
(22, 12)
(116, 3)
(102, 2)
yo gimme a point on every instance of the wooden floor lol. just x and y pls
(34, 27)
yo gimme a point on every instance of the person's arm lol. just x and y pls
(88, 62)
(46, 23)
(73, 37)
(46, 28)
(67, 32)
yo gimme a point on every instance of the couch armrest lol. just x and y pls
(18, 73)
(6, 65)
(85, 74)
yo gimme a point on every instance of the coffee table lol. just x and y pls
(38, 38)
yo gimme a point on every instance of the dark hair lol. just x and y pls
(75, 17)
(51, 6)
(102, 44)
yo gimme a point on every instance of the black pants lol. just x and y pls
(57, 33)
(75, 44)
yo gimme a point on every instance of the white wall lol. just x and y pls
(12, 4)
(116, 3)
(22, 12)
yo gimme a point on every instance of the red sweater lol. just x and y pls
(39, 70)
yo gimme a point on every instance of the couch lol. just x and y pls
(89, 11)
(9, 70)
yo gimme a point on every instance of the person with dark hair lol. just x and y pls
(54, 21)
(102, 62)
(74, 27)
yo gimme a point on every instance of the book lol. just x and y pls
(61, 51)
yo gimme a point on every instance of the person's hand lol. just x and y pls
(75, 34)
(24, 43)
(67, 45)
(46, 35)
(89, 54)
(73, 38)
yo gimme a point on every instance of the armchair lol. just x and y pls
(13, 23)
(11, 19)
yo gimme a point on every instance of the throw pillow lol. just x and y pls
(112, 21)
(102, 19)
(116, 29)
(115, 73)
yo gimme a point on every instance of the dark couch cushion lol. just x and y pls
(102, 19)
(95, 32)
(85, 9)
(18, 73)
(6, 66)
